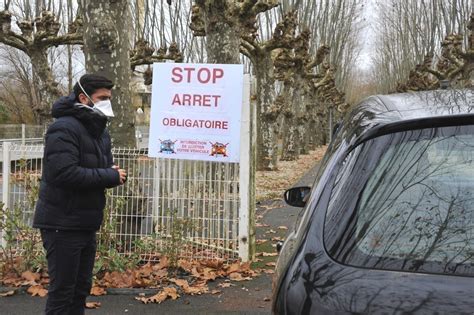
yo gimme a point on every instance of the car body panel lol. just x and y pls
(309, 281)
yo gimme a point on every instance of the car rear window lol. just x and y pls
(405, 201)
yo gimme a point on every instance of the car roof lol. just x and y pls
(427, 104)
(379, 110)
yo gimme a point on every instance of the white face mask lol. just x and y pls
(103, 107)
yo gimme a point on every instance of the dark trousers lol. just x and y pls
(70, 256)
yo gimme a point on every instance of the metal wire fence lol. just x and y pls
(165, 203)
(19, 131)
(33, 134)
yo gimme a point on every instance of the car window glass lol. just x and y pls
(413, 209)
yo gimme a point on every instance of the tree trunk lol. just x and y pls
(48, 87)
(290, 146)
(267, 114)
(312, 128)
(222, 33)
(106, 49)
(291, 137)
(69, 68)
(301, 116)
(304, 128)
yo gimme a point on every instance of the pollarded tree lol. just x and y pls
(291, 64)
(307, 107)
(262, 54)
(107, 28)
(317, 111)
(222, 22)
(230, 28)
(455, 65)
(36, 38)
(409, 31)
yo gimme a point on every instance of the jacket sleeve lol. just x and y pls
(62, 159)
(110, 157)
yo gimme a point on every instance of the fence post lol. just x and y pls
(156, 192)
(5, 183)
(23, 134)
(247, 177)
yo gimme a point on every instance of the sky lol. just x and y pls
(368, 36)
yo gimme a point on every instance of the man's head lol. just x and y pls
(95, 88)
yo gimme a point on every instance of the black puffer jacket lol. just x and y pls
(76, 169)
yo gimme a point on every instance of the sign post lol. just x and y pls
(246, 179)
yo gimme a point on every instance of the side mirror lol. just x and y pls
(297, 196)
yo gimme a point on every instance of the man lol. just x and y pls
(77, 168)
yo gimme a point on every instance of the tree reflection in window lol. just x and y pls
(415, 205)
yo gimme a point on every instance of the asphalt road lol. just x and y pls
(249, 297)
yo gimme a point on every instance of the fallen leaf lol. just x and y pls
(238, 277)
(261, 225)
(92, 305)
(265, 254)
(259, 242)
(98, 291)
(214, 292)
(245, 266)
(269, 271)
(11, 280)
(145, 270)
(198, 288)
(117, 279)
(180, 282)
(30, 276)
(163, 273)
(208, 274)
(225, 285)
(282, 227)
(267, 299)
(37, 290)
(214, 263)
(270, 264)
(172, 293)
(44, 280)
(270, 232)
(235, 276)
(9, 293)
(160, 296)
(185, 264)
(164, 263)
(234, 268)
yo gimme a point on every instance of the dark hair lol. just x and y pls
(91, 83)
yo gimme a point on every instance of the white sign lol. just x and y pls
(196, 112)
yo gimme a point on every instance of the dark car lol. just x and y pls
(388, 227)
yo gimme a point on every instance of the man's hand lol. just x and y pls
(122, 173)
